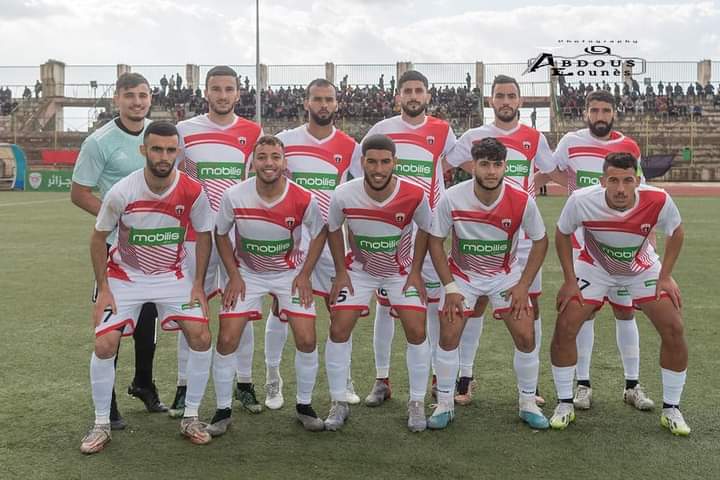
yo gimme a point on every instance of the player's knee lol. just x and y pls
(104, 348)
(674, 331)
(525, 341)
(226, 343)
(339, 334)
(199, 340)
(449, 340)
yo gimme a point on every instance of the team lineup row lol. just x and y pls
(279, 207)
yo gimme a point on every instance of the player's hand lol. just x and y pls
(197, 297)
(342, 281)
(520, 301)
(453, 308)
(303, 285)
(667, 285)
(567, 292)
(235, 288)
(414, 280)
(104, 305)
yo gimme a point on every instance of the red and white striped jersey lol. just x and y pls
(618, 241)
(419, 151)
(582, 155)
(320, 165)
(380, 233)
(152, 228)
(484, 237)
(268, 235)
(217, 156)
(527, 151)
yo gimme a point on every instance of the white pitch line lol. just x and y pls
(19, 204)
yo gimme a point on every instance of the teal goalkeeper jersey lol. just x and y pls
(110, 154)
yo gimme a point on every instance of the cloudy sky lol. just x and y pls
(345, 31)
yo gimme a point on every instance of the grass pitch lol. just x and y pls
(45, 404)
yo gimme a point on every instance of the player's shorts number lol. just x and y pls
(582, 283)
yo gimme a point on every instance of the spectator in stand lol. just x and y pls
(247, 83)
(468, 80)
(678, 90)
(178, 81)
(392, 85)
(27, 94)
(38, 89)
(164, 84)
(171, 84)
(381, 82)
(533, 117)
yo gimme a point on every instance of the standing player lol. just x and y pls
(527, 150)
(486, 216)
(380, 210)
(268, 213)
(579, 157)
(152, 209)
(319, 158)
(216, 151)
(617, 218)
(422, 141)
(107, 156)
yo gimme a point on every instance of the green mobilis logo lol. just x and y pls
(378, 244)
(484, 247)
(622, 254)
(414, 168)
(584, 178)
(221, 171)
(151, 237)
(316, 181)
(266, 248)
(517, 168)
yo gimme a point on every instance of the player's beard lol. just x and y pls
(600, 131)
(480, 183)
(157, 173)
(377, 189)
(505, 117)
(218, 110)
(414, 113)
(321, 121)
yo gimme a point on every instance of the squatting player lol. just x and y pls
(617, 218)
(486, 216)
(152, 208)
(380, 210)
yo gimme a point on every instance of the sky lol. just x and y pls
(107, 32)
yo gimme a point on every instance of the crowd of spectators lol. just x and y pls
(664, 100)
(9, 103)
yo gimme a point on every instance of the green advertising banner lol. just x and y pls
(47, 180)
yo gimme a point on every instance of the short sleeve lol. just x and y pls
(336, 217)
(460, 152)
(544, 160)
(355, 169)
(569, 219)
(225, 218)
(89, 165)
(442, 218)
(669, 218)
(532, 222)
(312, 219)
(450, 141)
(422, 215)
(111, 209)
(201, 214)
(560, 158)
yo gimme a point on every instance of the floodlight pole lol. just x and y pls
(258, 92)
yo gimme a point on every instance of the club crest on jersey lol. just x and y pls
(506, 222)
(430, 139)
(179, 209)
(337, 158)
(399, 217)
(645, 228)
(242, 140)
(526, 145)
(290, 222)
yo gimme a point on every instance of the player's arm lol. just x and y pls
(203, 246)
(86, 173)
(98, 254)
(557, 176)
(670, 222)
(441, 224)
(312, 220)
(82, 196)
(336, 243)
(563, 244)
(422, 216)
(533, 226)
(224, 222)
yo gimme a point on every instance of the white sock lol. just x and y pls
(469, 343)
(447, 365)
(198, 373)
(537, 326)
(276, 333)
(383, 333)
(628, 342)
(183, 350)
(102, 379)
(337, 356)
(417, 358)
(673, 383)
(584, 341)
(244, 354)
(349, 377)
(223, 371)
(563, 377)
(527, 366)
(433, 331)
(306, 368)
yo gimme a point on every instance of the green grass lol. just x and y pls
(45, 404)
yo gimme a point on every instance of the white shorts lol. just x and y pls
(364, 285)
(522, 254)
(617, 297)
(433, 286)
(169, 294)
(277, 284)
(216, 278)
(596, 284)
(323, 275)
(495, 288)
